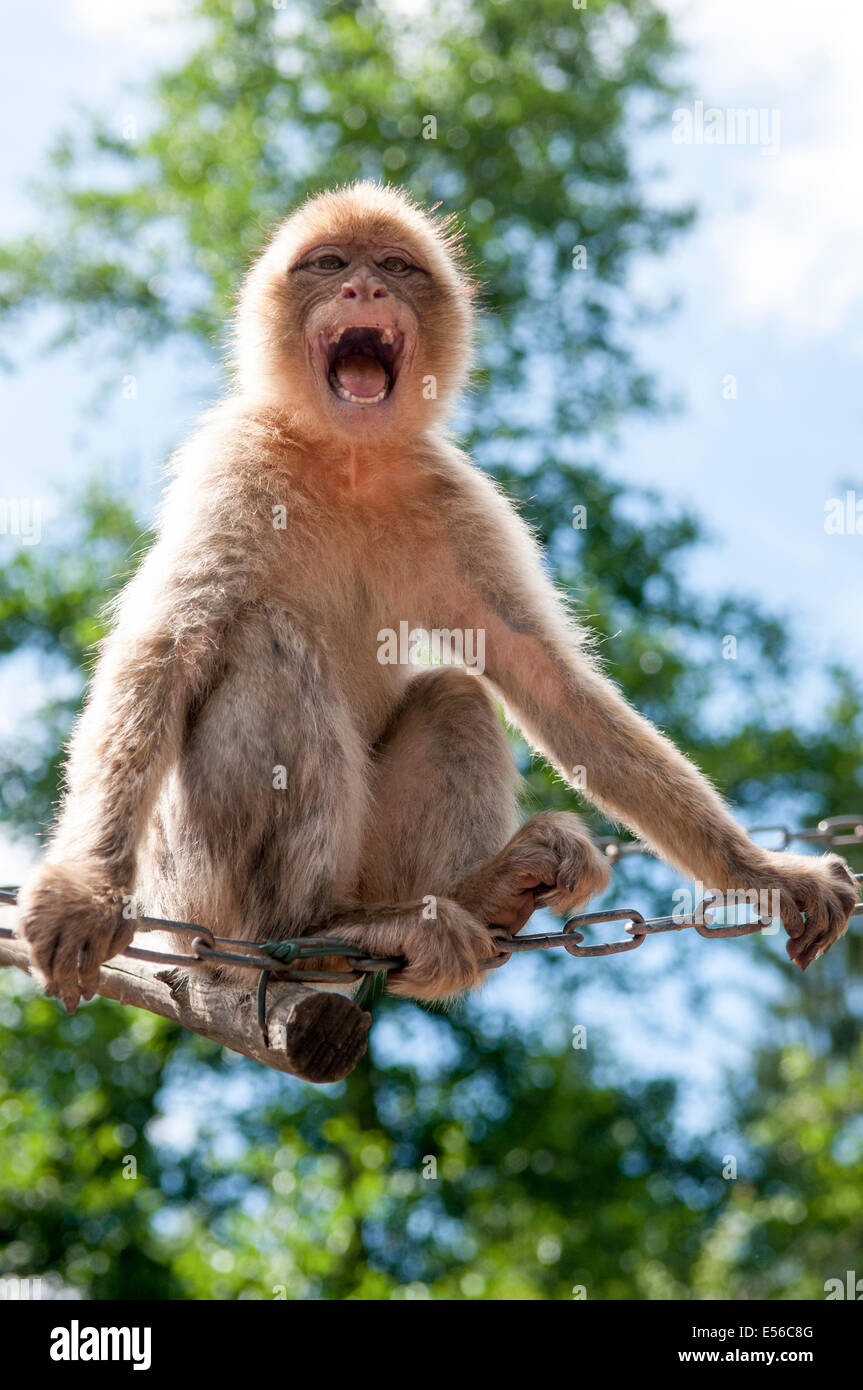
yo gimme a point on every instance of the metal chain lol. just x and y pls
(269, 956)
(825, 833)
(272, 959)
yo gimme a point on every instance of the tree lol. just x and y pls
(520, 118)
(793, 1226)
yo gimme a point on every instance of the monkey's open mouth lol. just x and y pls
(362, 363)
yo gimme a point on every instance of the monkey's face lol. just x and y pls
(358, 316)
(360, 310)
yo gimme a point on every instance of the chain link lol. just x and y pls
(825, 833)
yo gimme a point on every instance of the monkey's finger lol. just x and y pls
(64, 974)
(811, 952)
(532, 901)
(574, 877)
(44, 946)
(836, 919)
(577, 883)
(792, 918)
(517, 912)
(544, 894)
(816, 939)
(817, 924)
(569, 871)
(804, 960)
(120, 939)
(583, 870)
(90, 959)
(535, 880)
(800, 951)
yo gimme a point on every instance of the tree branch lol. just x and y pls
(312, 1033)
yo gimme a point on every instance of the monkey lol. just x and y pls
(245, 759)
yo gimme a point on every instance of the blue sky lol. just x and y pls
(771, 287)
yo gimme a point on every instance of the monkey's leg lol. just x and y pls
(441, 834)
(444, 815)
(443, 787)
(260, 827)
(443, 802)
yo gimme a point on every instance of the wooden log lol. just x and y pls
(314, 1034)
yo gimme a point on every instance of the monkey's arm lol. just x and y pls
(77, 908)
(538, 658)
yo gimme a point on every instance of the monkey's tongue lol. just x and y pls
(361, 377)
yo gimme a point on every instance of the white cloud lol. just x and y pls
(130, 36)
(785, 230)
(107, 18)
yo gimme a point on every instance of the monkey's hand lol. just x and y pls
(73, 920)
(551, 861)
(816, 899)
(441, 943)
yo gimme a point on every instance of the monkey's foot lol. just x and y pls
(550, 862)
(441, 943)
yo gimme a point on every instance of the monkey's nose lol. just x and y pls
(364, 289)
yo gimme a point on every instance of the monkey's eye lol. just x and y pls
(396, 265)
(328, 262)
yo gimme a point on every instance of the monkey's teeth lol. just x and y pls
(349, 396)
(386, 335)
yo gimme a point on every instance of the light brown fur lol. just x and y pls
(299, 525)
